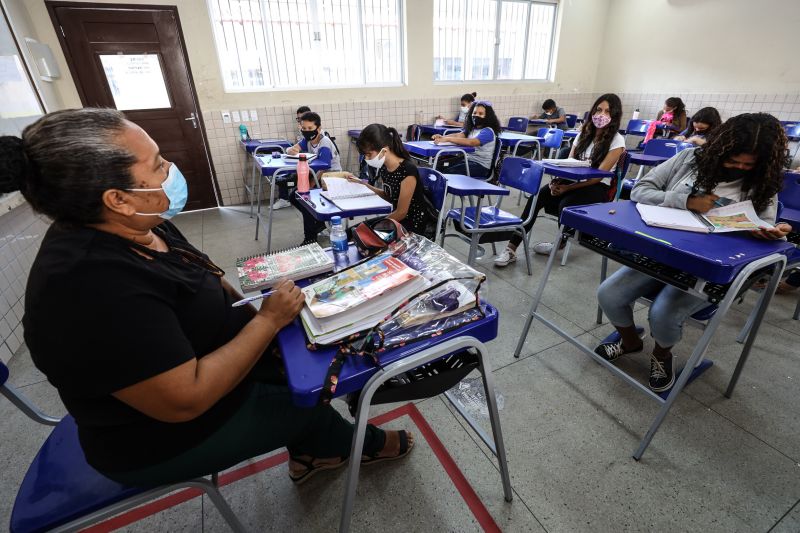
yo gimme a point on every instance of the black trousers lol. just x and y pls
(553, 205)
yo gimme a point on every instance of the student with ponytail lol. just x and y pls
(466, 101)
(480, 132)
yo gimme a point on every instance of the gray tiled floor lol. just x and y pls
(570, 426)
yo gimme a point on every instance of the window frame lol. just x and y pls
(270, 67)
(496, 48)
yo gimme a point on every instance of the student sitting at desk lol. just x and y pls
(675, 111)
(466, 101)
(134, 326)
(599, 142)
(480, 131)
(701, 125)
(743, 159)
(553, 116)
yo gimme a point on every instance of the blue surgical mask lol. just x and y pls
(177, 192)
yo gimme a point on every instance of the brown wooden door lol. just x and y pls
(133, 58)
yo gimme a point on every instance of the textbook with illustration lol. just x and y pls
(740, 216)
(264, 270)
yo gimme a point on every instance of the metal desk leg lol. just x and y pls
(539, 290)
(473, 241)
(603, 275)
(258, 203)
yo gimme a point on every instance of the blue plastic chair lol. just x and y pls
(571, 120)
(62, 492)
(519, 124)
(637, 127)
(662, 147)
(517, 173)
(435, 185)
(792, 130)
(790, 211)
(552, 139)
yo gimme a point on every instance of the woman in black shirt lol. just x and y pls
(134, 326)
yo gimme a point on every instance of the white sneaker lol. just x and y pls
(280, 204)
(505, 258)
(543, 248)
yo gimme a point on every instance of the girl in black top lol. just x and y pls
(134, 326)
(402, 186)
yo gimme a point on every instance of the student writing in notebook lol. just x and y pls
(553, 116)
(461, 117)
(480, 132)
(743, 159)
(700, 126)
(134, 326)
(598, 142)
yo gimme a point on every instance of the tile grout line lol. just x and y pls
(796, 504)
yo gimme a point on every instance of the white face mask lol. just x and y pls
(377, 161)
(464, 109)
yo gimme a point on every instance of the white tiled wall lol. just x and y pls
(21, 233)
(279, 121)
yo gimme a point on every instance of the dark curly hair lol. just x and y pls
(491, 120)
(589, 130)
(65, 161)
(759, 134)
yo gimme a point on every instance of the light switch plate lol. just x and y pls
(236, 116)
(245, 115)
(226, 117)
(253, 115)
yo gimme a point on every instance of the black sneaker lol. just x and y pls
(611, 347)
(662, 374)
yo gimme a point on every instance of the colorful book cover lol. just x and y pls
(261, 271)
(357, 285)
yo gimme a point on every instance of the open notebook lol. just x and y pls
(569, 162)
(740, 216)
(347, 195)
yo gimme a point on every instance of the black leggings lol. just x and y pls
(553, 205)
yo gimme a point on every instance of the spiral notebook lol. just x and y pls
(338, 188)
(264, 270)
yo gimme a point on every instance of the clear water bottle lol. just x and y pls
(635, 114)
(243, 133)
(338, 242)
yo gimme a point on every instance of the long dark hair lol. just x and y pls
(375, 136)
(589, 130)
(706, 115)
(491, 118)
(468, 97)
(759, 134)
(677, 105)
(65, 161)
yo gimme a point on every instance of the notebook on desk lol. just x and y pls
(309, 156)
(740, 216)
(264, 270)
(337, 188)
(569, 162)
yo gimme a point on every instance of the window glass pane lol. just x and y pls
(448, 39)
(513, 21)
(480, 24)
(241, 48)
(19, 105)
(136, 81)
(382, 44)
(540, 41)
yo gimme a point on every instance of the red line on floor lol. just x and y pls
(460, 482)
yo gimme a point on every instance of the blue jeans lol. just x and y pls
(670, 307)
(475, 170)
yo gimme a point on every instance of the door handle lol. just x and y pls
(193, 118)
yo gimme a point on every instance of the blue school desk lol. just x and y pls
(323, 209)
(275, 169)
(512, 141)
(431, 129)
(249, 148)
(306, 371)
(428, 153)
(713, 267)
(352, 137)
(576, 173)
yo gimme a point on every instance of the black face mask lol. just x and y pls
(732, 174)
(308, 135)
(479, 122)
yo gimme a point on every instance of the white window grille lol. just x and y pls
(492, 39)
(297, 44)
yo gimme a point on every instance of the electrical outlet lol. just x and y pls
(245, 115)
(236, 117)
(226, 117)
(253, 115)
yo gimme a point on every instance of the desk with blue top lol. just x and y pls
(275, 169)
(576, 173)
(513, 140)
(250, 147)
(713, 267)
(433, 129)
(427, 152)
(306, 371)
(323, 209)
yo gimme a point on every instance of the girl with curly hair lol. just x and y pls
(743, 160)
(600, 143)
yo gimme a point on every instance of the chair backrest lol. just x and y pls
(661, 147)
(518, 124)
(790, 195)
(792, 131)
(571, 120)
(498, 147)
(435, 185)
(522, 174)
(269, 148)
(637, 127)
(333, 140)
(684, 146)
(552, 137)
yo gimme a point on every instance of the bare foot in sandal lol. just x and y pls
(303, 467)
(398, 444)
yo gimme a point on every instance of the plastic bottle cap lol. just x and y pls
(336, 220)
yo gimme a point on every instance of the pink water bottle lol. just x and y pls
(302, 175)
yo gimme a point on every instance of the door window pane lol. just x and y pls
(136, 81)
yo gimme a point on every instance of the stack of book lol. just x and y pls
(264, 270)
(358, 298)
